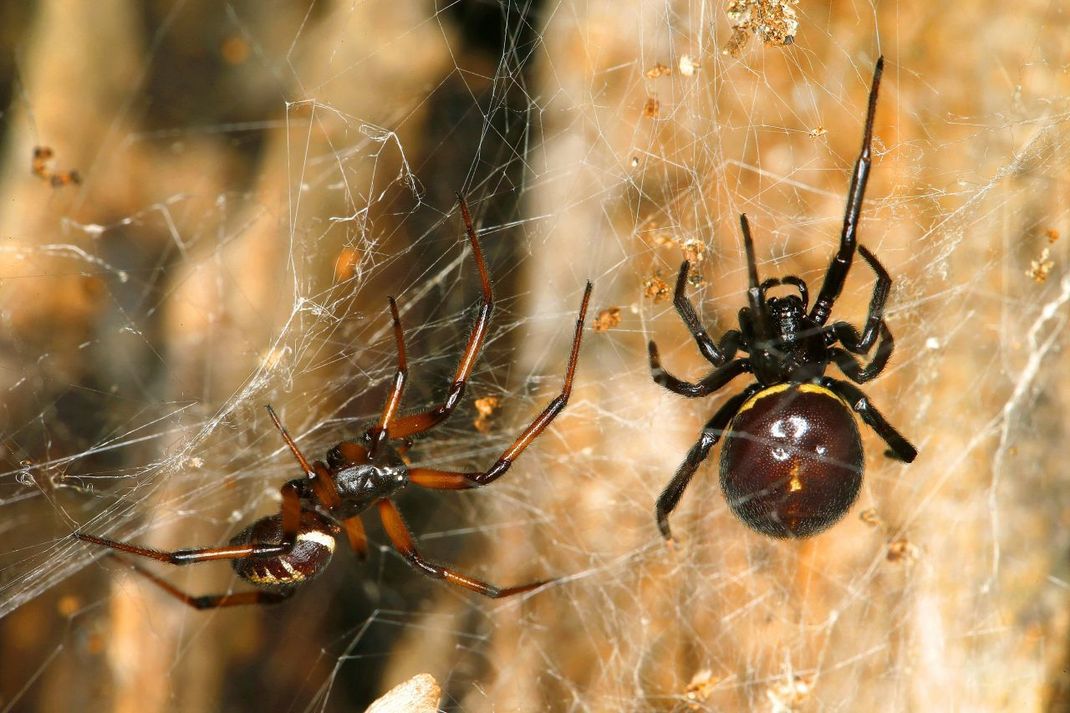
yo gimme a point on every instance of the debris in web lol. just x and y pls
(607, 319)
(42, 167)
(485, 408)
(774, 22)
(1041, 267)
(655, 288)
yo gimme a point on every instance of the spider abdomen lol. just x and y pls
(792, 460)
(309, 557)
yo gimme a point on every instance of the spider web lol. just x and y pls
(257, 178)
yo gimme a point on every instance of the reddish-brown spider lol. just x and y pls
(280, 552)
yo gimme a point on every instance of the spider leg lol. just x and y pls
(454, 480)
(380, 432)
(756, 330)
(709, 383)
(716, 355)
(845, 333)
(899, 447)
(841, 261)
(358, 540)
(211, 601)
(316, 472)
(402, 538)
(861, 374)
(711, 433)
(291, 519)
(420, 422)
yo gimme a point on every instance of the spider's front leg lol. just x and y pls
(845, 333)
(717, 355)
(711, 433)
(858, 373)
(841, 261)
(710, 383)
(380, 433)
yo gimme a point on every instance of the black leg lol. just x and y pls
(716, 355)
(316, 472)
(710, 383)
(861, 374)
(846, 333)
(211, 601)
(711, 433)
(399, 534)
(899, 447)
(841, 262)
(757, 330)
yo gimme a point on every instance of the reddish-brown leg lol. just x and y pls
(420, 422)
(402, 538)
(291, 519)
(454, 480)
(211, 601)
(317, 472)
(380, 433)
(358, 540)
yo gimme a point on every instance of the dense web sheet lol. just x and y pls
(254, 182)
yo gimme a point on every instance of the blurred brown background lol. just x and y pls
(256, 177)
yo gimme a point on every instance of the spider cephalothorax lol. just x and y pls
(280, 552)
(792, 461)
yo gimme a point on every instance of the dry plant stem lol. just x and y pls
(420, 694)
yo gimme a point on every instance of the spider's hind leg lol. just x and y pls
(714, 353)
(211, 601)
(290, 517)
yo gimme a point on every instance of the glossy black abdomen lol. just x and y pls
(792, 460)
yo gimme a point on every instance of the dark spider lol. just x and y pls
(280, 552)
(792, 461)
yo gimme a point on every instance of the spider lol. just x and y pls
(791, 465)
(280, 552)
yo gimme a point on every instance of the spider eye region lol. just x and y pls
(786, 304)
(792, 460)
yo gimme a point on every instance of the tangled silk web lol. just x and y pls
(253, 183)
